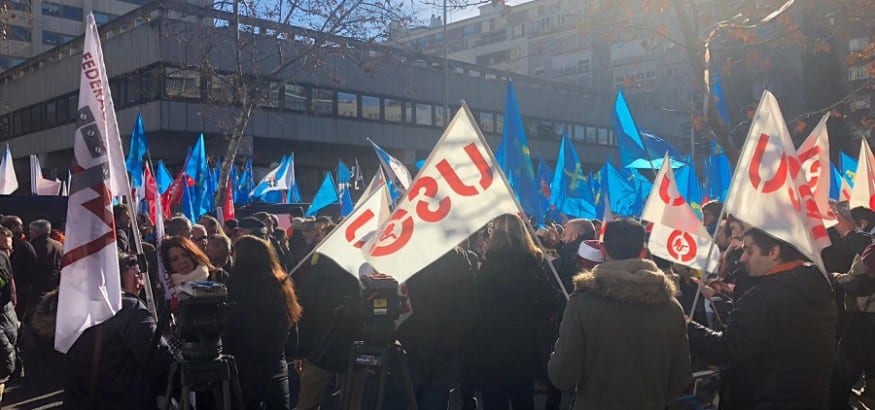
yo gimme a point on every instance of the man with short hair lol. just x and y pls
(199, 236)
(23, 263)
(575, 232)
(710, 215)
(122, 223)
(49, 253)
(178, 226)
(624, 306)
(219, 251)
(779, 342)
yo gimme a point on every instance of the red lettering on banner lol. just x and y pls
(814, 168)
(353, 227)
(424, 191)
(664, 185)
(780, 177)
(428, 187)
(400, 238)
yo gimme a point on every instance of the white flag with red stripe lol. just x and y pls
(459, 189)
(863, 192)
(343, 244)
(678, 235)
(90, 290)
(814, 156)
(768, 191)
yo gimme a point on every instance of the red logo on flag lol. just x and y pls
(682, 246)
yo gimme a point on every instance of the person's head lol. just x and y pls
(121, 216)
(297, 223)
(199, 236)
(310, 232)
(178, 226)
(211, 224)
(251, 226)
(129, 273)
(324, 230)
(763, 252)
(736, 228)
(589, 255)
(219, 250)
(40, 227)
(597, 225)
(723, 236)
(180, 255)
(14, 224)
(231, 225)
(6, 236)
(257, 268)
(509, 233)
(710, 212)
(578, 229)
(624, 239)
(864, 218)
(264, 217)
(144, 224)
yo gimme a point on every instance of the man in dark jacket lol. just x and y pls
(23, 264)
(49, 253)
(8, 319)
(779, 341)
(626, 305)
(575, 232)
(119, 377)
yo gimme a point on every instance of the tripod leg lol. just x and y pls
(169, 392)
(381, 387)
(405, 377)
(234, 382)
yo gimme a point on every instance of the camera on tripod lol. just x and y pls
(201, 319)
(382, 308)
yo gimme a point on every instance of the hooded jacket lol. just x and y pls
(622, 342)
(778, 346)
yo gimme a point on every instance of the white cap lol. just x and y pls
(590, 251)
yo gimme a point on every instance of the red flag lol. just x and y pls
(228, 207)
(150, 188)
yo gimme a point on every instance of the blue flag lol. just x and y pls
(545, 178)
(294, 195)
(849, 168)
(629, 142)
(720, 98)
(719, 175)
(326, 195)
(689, 187)
(188, 203)
(196, 167)
(621, 192)
(245, 184)
(835, 184)
(515, 159)
(569, 191)
(344, 177)
(139, 147)
(163, 178)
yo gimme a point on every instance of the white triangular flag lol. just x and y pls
(459, 189)
(678, 235)
(90, 289)
(814, 157)
(8, 179)
(863, 192)
(38, 184)
(343, 243)
(765, 187)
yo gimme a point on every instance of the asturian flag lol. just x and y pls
(343, 244)
(678, 235)
(459, 190)
(90, 292)
(765, 190)
(395, 170)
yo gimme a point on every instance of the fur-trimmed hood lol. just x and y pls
(636, 281)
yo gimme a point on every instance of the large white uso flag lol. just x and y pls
(343, 243)
(863, 192)
(814, 158)
(90, 292)
(678, 235)
(768, 191)
(459, 189)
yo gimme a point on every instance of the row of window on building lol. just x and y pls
(22, 33)
(159, 82)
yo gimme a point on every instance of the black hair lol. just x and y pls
(766, 242)
(861, 213)
(624, 239)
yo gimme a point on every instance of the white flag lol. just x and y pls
(275, 180)
(607, 216)
(863, 192)
(459, 189)
(394, 168)
(38, 184)
(90, 290)
(814, 156)
(765, 187)
(678, 235)
(8, 179)
(343, 243)
(377, 181)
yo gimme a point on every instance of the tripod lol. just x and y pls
(382, 360)
(218, 376)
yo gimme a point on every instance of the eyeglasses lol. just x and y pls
(132, 264)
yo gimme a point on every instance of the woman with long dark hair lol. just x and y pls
(185, 262)
(264, 308)
(516, 305)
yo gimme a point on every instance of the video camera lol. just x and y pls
(202, 317)
(382, 306)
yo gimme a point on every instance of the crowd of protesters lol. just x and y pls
(489, 319)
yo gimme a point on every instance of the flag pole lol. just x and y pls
(141, 256)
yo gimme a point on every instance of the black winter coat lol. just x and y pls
(516, 304)
(8, 320)
(23, 265)
(47, 271)
(256, 334)
(123, 381)
(778, 346)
